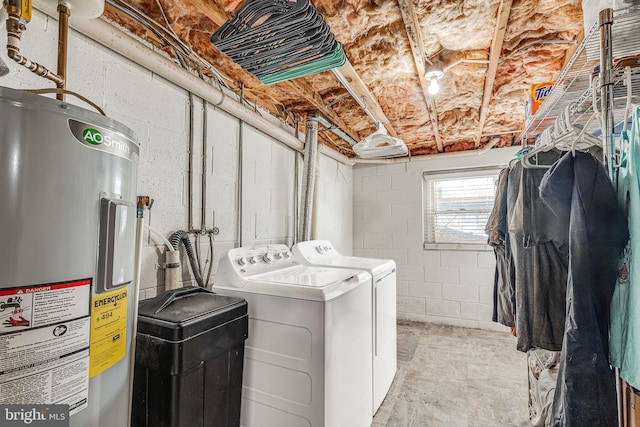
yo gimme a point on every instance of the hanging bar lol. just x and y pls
(605, 21)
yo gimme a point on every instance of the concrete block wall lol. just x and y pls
(159, 113)
(440, 285)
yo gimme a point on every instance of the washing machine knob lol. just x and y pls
(242, 261)
(286, 254)
(319, 249)
(279, 255)
(253, 259)
(268, 258)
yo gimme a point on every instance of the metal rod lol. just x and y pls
(203, 218)
(190, 167)
(605, 21)
(63, 37)
(239, 192)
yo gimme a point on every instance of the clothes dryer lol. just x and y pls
(307, 359)
(383, 326)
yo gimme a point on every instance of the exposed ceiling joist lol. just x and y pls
(305, 90)
(412, 26)
(363, 92)
(572, 49)
(211, 10)
(504, 10)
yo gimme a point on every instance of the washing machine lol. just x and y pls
(383, 325)
(307, 359)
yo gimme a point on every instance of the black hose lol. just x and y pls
(182, 236)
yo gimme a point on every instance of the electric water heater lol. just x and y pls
(67, 221)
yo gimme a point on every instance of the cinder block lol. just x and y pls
(395, 168)
(443, 308)
(406, 181)
(460, 293)
(365, 253)
(411, 305)
(223, 130)
(400, 195)
(410, 272)
(398, 255)
(377, 241)
(466, 259)
(427, 258)
(441, 274)
(407, 241)
(425, 290)
(486, 294)
(475, 311)
(376, 183)
(402, 288)
(486, 259)
(406, 211)
(477, 276)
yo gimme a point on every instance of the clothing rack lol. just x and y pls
(592, 93)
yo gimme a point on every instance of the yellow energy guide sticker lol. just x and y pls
(108, 330)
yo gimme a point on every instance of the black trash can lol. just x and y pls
(189, 354)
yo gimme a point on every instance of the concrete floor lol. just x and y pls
(456, 377)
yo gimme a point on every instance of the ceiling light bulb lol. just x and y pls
(433, 87)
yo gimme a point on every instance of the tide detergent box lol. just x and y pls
(536, 96)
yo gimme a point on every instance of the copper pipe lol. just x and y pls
(63, 36)
(14, 32)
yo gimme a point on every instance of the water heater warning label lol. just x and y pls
(44, 344)
(108, 329)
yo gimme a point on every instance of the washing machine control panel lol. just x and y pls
(250, 261)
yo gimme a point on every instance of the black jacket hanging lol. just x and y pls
(579, 192)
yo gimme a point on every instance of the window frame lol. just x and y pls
(428, 218)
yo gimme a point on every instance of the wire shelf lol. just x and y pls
(574, 86)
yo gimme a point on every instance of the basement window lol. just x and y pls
(456, 206)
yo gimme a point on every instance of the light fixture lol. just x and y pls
(433, 73)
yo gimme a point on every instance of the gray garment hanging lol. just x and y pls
(540, 262)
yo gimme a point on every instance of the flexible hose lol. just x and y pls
(182, 236)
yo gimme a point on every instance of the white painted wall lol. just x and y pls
(158, 112)
(443, 286)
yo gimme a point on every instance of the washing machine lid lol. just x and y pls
(299, 282)
(322, 253)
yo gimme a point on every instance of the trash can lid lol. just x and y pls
(179, 314)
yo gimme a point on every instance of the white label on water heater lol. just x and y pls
(44, 344)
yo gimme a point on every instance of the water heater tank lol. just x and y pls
(67, 215)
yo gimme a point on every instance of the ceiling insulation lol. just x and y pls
(377, 44)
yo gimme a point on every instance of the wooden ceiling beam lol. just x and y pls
(362, 91)
(504, 10)
(303, 89)
(412, 26)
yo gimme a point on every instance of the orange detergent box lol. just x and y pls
(536, 96)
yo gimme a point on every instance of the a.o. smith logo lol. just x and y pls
(34, 415)
(104, 139)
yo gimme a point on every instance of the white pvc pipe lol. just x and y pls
(125, 45)
(159, 234)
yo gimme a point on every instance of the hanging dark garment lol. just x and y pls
(580, 193)
(540, 259)
(496, 229)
